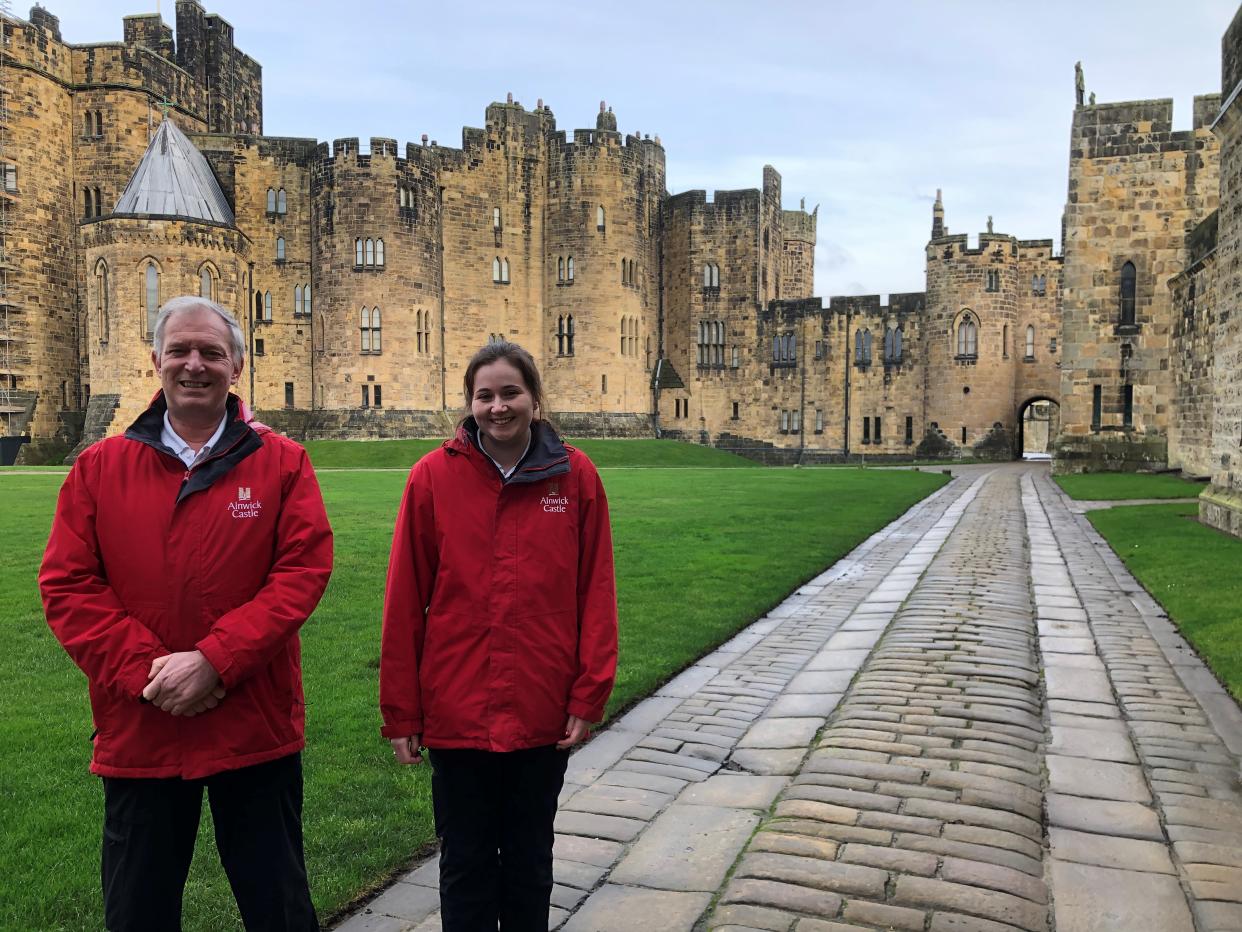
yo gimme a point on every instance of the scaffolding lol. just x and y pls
(11, 403)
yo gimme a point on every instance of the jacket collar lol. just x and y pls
(241, 437)
(547, 456)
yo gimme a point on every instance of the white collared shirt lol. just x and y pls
(504, 473)
(184, 451)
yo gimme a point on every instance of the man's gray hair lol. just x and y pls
(191, 302)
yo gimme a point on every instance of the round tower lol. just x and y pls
(172, 233)
(601, 298)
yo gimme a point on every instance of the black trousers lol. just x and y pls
(149, 831)
(494, 815)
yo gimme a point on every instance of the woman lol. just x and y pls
(500, 638)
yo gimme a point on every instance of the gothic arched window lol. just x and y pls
(967, 337)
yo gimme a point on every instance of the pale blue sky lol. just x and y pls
(865, 109)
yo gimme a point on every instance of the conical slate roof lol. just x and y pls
(174, 180)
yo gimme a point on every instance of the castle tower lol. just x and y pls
(375, 245)
(603, 214)
(172, 233)
(798, 261)
(1136, 189)
(39, 358)
(972, 305)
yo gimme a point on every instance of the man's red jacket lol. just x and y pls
(500, 617)
(146, 558)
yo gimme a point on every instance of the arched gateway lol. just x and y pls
(1039, 422)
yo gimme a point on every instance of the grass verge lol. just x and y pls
(700, 553)
(1191, 570)
(1115, 486)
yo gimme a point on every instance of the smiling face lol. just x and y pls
(196, 367)
(503, 407)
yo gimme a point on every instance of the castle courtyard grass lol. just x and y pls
(1118, 486)
(1191, 570)
(700, 553)
(402, 454)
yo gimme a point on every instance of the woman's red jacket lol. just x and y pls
(500, 617)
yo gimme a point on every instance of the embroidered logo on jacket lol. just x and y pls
(244, 507)
(552, 500)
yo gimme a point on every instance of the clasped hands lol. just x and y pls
(183, 683)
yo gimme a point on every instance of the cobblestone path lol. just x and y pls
(976, 722)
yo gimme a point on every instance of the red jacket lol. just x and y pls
(146, 559)
(500, 617)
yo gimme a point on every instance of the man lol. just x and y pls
(183, 558)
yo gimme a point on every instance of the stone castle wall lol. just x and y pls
(1194, 295)
(1221, 504)
(1137, 188)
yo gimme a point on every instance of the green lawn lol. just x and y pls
(382, 454)
(1190, 569)
(700, 553)
(1114, 486)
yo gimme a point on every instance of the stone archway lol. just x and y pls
(1039, 422)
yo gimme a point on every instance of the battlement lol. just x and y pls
(799, 225)
(148, 30)
(696, 200)
(900, 304)
(1207, 109)
(783, 310)
(958, 244)
(1037, 249)
(1135, 127)
(46, 21)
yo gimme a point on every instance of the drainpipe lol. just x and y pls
(250, 304)
(655, 383)
(443, 349)
(802, 404)
(849, 316)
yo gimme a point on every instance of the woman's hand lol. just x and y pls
(406, 749)
(576, 731)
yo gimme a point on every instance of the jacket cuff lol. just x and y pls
(136, 679)
(588, 713)
(219, 657)
(406, 729)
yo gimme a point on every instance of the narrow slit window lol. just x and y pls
(1126, 296)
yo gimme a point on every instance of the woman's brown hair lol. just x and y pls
(517, 357)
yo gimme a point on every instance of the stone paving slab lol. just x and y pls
(1102, 899)
(614, 908)
(688, 847)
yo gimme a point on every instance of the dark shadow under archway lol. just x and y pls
(1039, 422)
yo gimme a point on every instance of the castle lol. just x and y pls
(364, 280)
